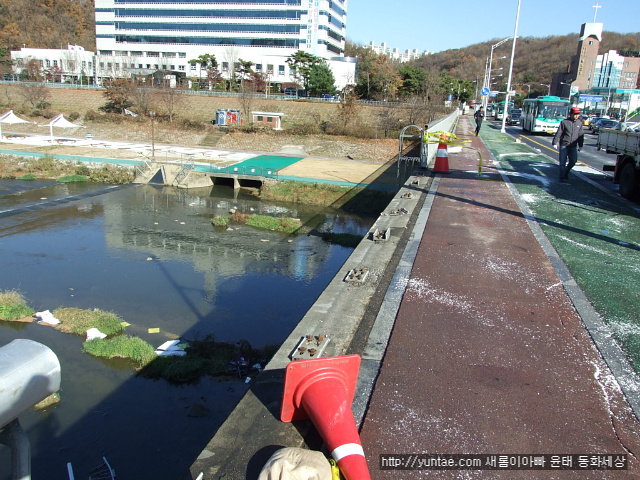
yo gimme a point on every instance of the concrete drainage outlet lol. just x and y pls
(357, 275)
(379, 236)
(309, 346)
(399, 211)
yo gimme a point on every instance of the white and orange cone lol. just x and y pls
(442, 159)
(322, 389)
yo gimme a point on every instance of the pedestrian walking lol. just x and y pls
(478, 117)
(568, 141)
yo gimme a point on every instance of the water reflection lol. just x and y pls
(151, 255)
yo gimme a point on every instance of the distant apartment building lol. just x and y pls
(140, 37)
(612, 76)
(395, 54)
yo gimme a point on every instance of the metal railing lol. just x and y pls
(242, 170)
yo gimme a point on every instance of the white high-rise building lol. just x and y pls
(143, 36)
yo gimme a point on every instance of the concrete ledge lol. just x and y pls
(253, 431)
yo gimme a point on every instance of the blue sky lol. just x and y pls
(438, 25)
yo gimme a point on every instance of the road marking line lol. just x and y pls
(553, 149)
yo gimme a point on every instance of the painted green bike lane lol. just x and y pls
(595, 234)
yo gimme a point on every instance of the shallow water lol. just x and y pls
(151, 255)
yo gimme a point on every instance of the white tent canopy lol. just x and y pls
(10, 118)
(61, 122)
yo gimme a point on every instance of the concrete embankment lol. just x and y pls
(344, 313)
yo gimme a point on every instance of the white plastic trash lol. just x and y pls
(94, 333)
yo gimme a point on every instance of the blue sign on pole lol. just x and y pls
(484, 91)
(591, 98)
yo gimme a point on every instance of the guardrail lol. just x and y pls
(240, 170)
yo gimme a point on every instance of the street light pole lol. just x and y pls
(513, 52)
(548, 88)
(565, 83)
(488, 82)
(153, 137)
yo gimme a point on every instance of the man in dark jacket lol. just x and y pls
(568, 140)
(478, 117)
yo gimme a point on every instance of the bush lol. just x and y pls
(73, 116)
(92, 116)
(304, 129)
(82, 169)
(191, 124)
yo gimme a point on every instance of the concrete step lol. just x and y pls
(212, 138)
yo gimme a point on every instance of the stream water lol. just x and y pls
(151, 255)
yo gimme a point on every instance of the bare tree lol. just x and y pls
(36, 94)
(142, 98)
(389, 119)
(347, 108)
(169, 98)
(231, 58)
(247, 97)
(71, 63)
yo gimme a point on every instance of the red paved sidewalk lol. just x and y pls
(488, 355)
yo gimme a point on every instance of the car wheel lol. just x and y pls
(628, 183)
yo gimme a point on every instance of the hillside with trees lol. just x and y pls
(47, 24)
(536, 60)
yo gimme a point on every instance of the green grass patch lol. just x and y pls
(78, 321)
(122, 346)
(276, 224)
(220, 221)
(185, 369)
(352, 199)
(13, 306)
(73, 179)
(208, 357)
(28, 176)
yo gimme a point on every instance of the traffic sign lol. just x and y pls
(484, 91)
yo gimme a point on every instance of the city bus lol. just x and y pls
(544, 114)
(498, 111)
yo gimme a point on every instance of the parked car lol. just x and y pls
(604, 123)
(514, 116)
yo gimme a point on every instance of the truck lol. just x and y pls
(626, 147)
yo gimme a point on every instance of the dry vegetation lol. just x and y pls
(191, 126)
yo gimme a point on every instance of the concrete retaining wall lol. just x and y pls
(253, 431)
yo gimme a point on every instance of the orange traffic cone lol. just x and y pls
(442, 159)
(322, 389)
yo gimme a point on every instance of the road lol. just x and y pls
(589, 156)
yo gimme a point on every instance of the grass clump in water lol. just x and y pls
(276, 224)
(28, 176)
(122, 346)
(208, 357)
(78, 321)
(13, 306)
(73, 179)
(220, 221)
